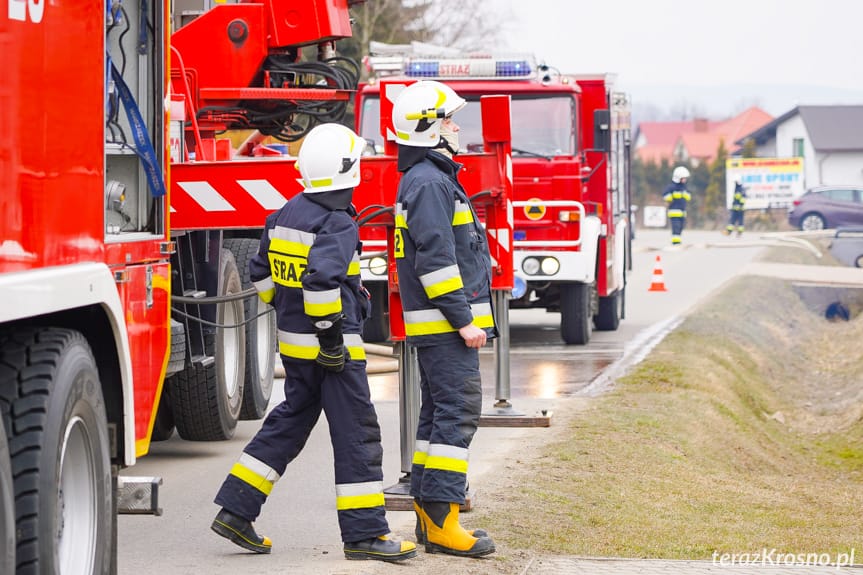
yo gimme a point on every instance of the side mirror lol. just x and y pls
(602, 130)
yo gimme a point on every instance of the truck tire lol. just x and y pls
(163, 427)
(206, 399)
(610, 311)
(261, 337)
(51, 398)
(377, 326)
(7, 506)
(575, 315)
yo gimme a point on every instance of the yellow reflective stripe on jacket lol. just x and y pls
(433, 321)
(289, 248)
(462, 215)
(266, 289)
(676, 213)
(442, 281)
(256, 473)
(292, 235)
(359, 495)
(420, 452)
(306, 346)
(401, 216)
(447, 458)
(322, 303)
(354, 266)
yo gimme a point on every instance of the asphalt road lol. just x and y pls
(300, 514)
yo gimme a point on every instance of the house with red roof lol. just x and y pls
(696, 140)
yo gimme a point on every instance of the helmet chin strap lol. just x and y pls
(445, 144)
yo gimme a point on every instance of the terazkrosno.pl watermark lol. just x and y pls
(776, 557)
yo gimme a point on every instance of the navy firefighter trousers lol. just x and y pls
(356, 439)
(449, 415)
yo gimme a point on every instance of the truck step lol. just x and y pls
(138, 495)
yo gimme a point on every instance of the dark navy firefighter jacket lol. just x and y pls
(442, 256)
(676, 196)
(308, 268)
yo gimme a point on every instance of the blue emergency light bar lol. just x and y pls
(468, 68)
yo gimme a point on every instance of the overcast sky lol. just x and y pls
(814, 43)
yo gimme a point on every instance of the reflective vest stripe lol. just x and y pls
(359, 495)
(463, 214)
(266, 289)
(421, 452)
(322, 303)
(289, 247)
(256, 473)
(442, 281)
(432, 321)
(447, 458)
(306, 346)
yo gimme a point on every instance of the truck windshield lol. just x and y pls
(540, 126)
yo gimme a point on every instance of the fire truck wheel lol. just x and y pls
(261, 337)
(610, 311)
(377, 326)
(163, 427)
(7, 506)
(206, 398)
(51, 394)
(575, 315)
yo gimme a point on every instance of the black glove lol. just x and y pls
(332, 359)
(332, 353)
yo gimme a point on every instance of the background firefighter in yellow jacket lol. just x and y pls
(735, 219)
(308, 269)
(676, 196)
(444, 271)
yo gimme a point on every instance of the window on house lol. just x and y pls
(797, 147)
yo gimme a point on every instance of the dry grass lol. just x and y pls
(742, 430)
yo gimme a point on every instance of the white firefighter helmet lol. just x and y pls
(329, 159)
(419, 110)
(679, 173)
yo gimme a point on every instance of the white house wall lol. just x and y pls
(793, 129)
(839, 168)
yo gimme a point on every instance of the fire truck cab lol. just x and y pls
(570, 170)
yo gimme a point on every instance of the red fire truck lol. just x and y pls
(570, 169)
(127, 225)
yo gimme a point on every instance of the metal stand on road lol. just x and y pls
(503, 414)
(397, 497)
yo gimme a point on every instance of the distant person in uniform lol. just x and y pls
(735, 219)
(676, 197)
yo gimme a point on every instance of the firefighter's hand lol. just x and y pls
(472, 335)
(332, 359)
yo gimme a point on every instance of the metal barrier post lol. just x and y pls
(409, 402)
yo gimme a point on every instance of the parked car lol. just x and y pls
(827, 207)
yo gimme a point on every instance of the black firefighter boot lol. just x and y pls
(444, 534)
(381, 548)
(240, 532)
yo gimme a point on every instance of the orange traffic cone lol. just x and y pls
(657, 284)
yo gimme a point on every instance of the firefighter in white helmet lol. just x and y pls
(308, 269)
(444, 271)
(676, 197)
(738, 201)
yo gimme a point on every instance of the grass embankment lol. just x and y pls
(740, 431)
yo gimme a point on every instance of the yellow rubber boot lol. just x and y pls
(420, 529)
(444, 534)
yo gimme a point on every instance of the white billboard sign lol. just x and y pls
(769, 182)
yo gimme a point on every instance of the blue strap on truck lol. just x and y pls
(143, 146)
